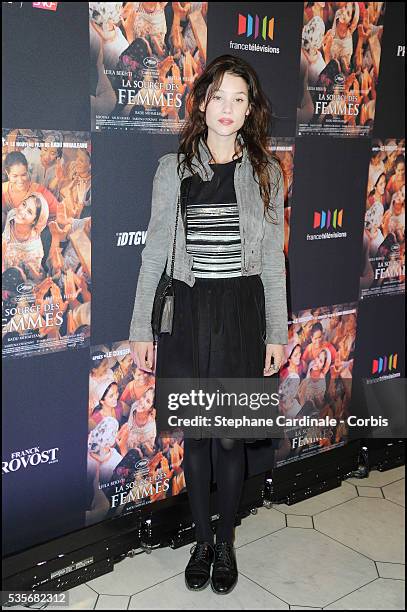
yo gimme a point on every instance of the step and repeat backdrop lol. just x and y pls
(93, 94)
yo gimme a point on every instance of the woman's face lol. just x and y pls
(18, 177)
(25, 212)
(296, 356)
(111, 397)
(102, 369)
(126, 363)
(140, 416)
(229, 106)
(400, 169)
(320, 361)
(139, 377)
(82, 162)
(375, 160)
(381, 185)
(49, 156)
(317, 338)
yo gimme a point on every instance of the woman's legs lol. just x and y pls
(230, 466)
(197, 473)
(230, 478)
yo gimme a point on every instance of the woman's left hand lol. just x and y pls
(275, 351)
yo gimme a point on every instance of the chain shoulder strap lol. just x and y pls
(173, 246)
(175, 232)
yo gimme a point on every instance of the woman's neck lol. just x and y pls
(19, 193)
(22, 232)
(107, 411)
(222, 148)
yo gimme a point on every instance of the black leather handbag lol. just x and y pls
(163, 305)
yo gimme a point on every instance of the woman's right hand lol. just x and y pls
(143, 355)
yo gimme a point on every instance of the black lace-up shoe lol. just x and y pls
(224, 571)
(197, 572)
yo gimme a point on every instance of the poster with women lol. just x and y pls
(339, 67)
(46, 241)
(145, 57)
(315, 381)
(383, 255)
(129, 463)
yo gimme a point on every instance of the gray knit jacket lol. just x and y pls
(262, 242)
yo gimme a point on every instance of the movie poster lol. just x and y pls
(383, 255)
(315, 382)
(145, 57)
(339, 68)
(129, 464)
(46, 241)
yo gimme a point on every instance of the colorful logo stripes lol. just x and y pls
(327, 218)
(255, 26)
(383, 364)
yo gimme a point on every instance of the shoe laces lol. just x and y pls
(223, 552)
(199, 550)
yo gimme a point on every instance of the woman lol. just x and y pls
(75, 189)
(293, 368)
(101, 448)
(378, 192)
(104, 18)
(344, 24)
(230, 318)
(373, 222)
(136, 387)
(141, 425)
(103, 458)
(319, 367)
(100, 376)
(398, 179)
(43, 162)
(313, 34)
(122, 369)
(21, 240)
(19, 186)
(108, 406)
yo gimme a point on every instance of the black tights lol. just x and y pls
(230, 476)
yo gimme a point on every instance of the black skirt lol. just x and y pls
(219, 329)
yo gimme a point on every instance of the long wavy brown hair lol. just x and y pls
(254, 131)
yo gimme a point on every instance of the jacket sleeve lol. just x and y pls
(273, 269)
(153, 257)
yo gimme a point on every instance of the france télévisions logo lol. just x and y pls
(329, 221)
(327, 218)
(254, 27)
(388, 363)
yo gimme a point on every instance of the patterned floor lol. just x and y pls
(341, 550)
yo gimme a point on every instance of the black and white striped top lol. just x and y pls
(213, 235)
